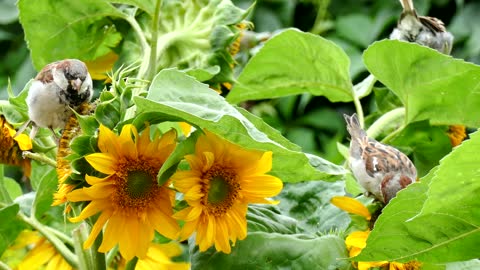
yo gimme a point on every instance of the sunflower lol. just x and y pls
(131, 203)
(12, 146)
(41, 254)
(223, 179)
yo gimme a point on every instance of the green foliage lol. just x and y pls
(291, 86)
(430, 85)
(321, 68)
(174, 95)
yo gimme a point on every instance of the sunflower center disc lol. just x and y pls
(219, 190)
(139, 183)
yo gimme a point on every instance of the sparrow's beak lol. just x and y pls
(77, 84)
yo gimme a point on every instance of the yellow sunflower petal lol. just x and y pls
(108, 142)
(101, 162)
(92, 180)
(97, 227)
(262, 186)
(24, 142)
(91, 209)
(127, 140)
(357, 239)
(351, 205)
(222, 241)
(165, 225)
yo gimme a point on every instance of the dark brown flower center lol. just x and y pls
(221, 188)
(136, 184)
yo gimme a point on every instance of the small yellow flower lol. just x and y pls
(223, 179)
(11, 147)
(131, 203)
(42, 254)
(456, 133)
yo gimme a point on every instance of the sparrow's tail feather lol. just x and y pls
(353, 126)
(407, 5)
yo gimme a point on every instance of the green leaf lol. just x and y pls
(184, 148)
(108, 114)
(10, 226)
(428, 144)
(175, 96)
(146, 5)
(431, 85)
(436, 220)
(294, 62)
(12, 187)
(276, 251)
(309, 203)
(386, 100)
(268, 218)
(62, 29)
(44, 195)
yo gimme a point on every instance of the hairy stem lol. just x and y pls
(52, 238)
(40, 158)
(152, 63)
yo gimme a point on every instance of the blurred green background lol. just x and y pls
(311, 122)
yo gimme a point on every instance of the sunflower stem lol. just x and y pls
(384, 121)
(99, 258)
(88, 258)
(52, 238)
(40, 158)
(358, 108)
(152, 63)
(111, 255)
(131, 264)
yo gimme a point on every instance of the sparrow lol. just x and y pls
(380, 169)
(427, 31)
(57, 89)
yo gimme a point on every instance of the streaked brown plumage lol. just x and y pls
(424, 30)
(381, 169)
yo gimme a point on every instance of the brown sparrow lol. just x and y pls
(427, 31)
(381, 169)
(58, 88)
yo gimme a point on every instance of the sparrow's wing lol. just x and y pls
(433, 24)
(45, 75)
(380, 158)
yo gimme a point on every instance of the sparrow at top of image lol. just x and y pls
(424, 30)
(380, 169)
(57, 89)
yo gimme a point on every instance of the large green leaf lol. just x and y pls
(294, 62)
(309, 203)
(44, 195)
(61, 29)
(431, 85)
(10, 226)
(436, 220)
(277, 251)
(173, 95)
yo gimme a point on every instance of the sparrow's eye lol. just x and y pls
(69, 76)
